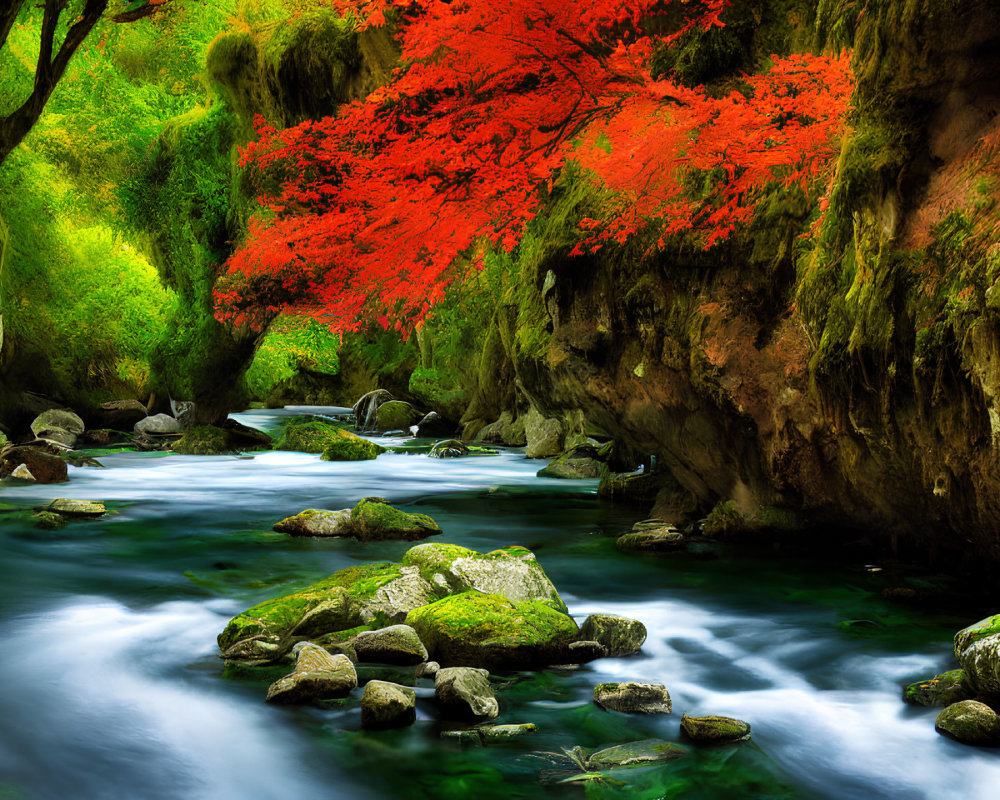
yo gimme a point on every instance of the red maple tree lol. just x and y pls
(458, 151)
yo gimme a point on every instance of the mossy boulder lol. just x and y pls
(396, 415)
(970, 722)
(387, 705)
(49, 521)
(317, 676)
(942, 690)
(309, 435)
(75, 508)
(977, 649)
(579, 463)
(634, 754)
(464, 693)
(396, 644)
(663, 539)
(715, 730)
(374, 518)
(488, 630)
(348, 446)
(317, 522)
(511, 572)
(203, 440)
(633, 697)
(620, 636)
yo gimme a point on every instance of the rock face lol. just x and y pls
(488, 630)
(647, 751)
(465, 694)
(512, 572)
(317, 676)
(970, 722)
(158, 425)
(44, 467)
(977, 649)
(941, 690)
(387, 705)
(715, 730)
(579, 463)
(374, 518)
(652, 540)
(620, 636)
(632, 697)
(397, 644)
(317, 522)
(396, 415)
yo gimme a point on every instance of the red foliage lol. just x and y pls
(377, 204)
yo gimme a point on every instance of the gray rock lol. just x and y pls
(57, 436)
(620, 636)
(587, 650)
(429, 669)
(506, 430)
(646, 751)
(22, 473)
(157, 425)
(970, 722)
(397, 644)
(544, 435)
(317, 676)
(57, 419)
(332, 614)
(579, 463)
(653, 540)
(715, 730)
(317, 522)
(464, 693)
(633, 697)
(387, 705)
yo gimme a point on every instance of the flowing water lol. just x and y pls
(112, 687)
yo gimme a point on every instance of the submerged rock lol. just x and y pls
(620, 636)
(76, 508)
(43, 466)
(941, 690)
(715, 730)
(970, 722)
(317, 676)
(464, 693)
(652, 540)
(317, 522)
(646, 751)
(476, 629)
(486, 734)
(632, 697)
(49, 521)
(397, 644)
(374, 518)
(157, 425)
(387, 705)
(580, 463)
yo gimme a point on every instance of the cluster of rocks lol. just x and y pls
(373, 518)
(970, 695)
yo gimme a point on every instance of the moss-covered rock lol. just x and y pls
(620, 636)
(374, 518)
(970, 722)
(396, 644)
(942, 690)
(76, 508)
(715, 730)
(977, 649)
(49, 521)
(488, 630)
(387, 705)
(317, 522)
(203, 440)
(488, 734)
(511, 572)
(317, 676)
(464, 693)
(308, 435)
(348, 446)
(580, 463)
(663, 539)
(633, 697)
(633, 754)
(449, 448)
(396, 415)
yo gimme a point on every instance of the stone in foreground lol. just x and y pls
(715, 730)
(654, 540)
(387, 705)
(476, 629)
(318, 676)
(641, 753)
(939, 691)
(977, 649)
(632, 697)
(43, 466)
(970, 722)
(464, 693)
(76, 508)
(317, 522)
(620, 636)
(375, 519)
(397, 644)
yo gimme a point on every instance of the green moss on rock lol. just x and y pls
(310, 435)
(487, 630)
(351, 447)
(941, 690)
(203, 440)
(374, 518)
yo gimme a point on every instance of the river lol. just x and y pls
(112, 685)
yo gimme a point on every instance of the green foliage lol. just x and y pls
(292, 345)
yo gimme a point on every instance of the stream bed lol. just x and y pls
(112, 686)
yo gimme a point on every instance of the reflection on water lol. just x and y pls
(112, 687)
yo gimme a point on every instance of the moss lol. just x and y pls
(941, 690)
(49, 521)
(309, 435)
(273, 618)
(203, 440)
(395, 415)
(723, 520)
(487, 630)
(990, 626)
(715, 730)
(374, 518)
(362, 582)
(349, 447)
(436, 557)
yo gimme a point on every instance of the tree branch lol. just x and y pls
(8, 16)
